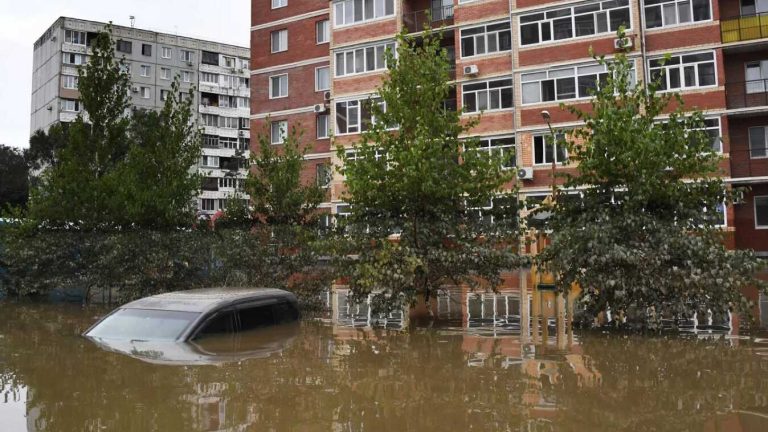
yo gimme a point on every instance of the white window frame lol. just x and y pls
(79, 59)
(70, 105)
(186, 56)
(317, 78)
(756, 85)
(344, 57)
(205, 75)
(323, 35)
(754, 205)
(488, 90)
(282, 130)
(485, 36)
(69, 82)
(537, 78)
(144, 68)
(326, 133)
(502, 149)
(358, 116)
(572, 13)
(277, 4)
(165, 73)
(681, 67)
(326, 170)
(164, 94)
(229, 62)
(145, 92)
(206, 159)
(282, 39)
(75, 37)
(545, 138)
(186, 76)
(166, 52)
(678, 4)
(343, 8)
(719, 129)
(765, 141)
(271, 86)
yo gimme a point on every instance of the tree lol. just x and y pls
(14, 185)
(414, 175)
(643, 239)
(44, 148)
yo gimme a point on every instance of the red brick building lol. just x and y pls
(314, 61)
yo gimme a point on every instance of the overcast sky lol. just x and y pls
(23, 21)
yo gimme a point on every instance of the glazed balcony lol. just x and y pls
(744, 27)
(436, 17)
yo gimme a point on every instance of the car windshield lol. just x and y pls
(143, 324)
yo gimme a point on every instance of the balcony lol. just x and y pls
(747, 165)
(747, 94)
(435, 17)
(744, 27)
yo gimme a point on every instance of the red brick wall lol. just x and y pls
(301, 90)
(565, 50)
(728, 8)
(747, 237)
(262, 12)
(741, 164)
(304, 122)
(357, 84)
(302, 44)
(684, 37)
(487, 65)
(493, 122)
(480, 10)
(532, 116)
(385, 28)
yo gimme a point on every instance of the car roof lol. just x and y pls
(207, 299)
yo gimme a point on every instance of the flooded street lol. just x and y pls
(324, 377)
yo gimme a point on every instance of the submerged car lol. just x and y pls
(182, 327)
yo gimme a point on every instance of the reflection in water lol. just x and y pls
(344, 378)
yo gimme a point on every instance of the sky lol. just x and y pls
(22, 22)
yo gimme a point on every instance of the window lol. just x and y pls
(322, 78)
(323, 126)
(229, 122)
(545, 152)
(684, 71)
(70, 105)
(210, 141)
(164, 95)
(279, 131)
(124, 46)
(575, 22)
(243, 102)
(186, 56)
(75, 37)
(487, 95)
(758, 142)
(354, 11)
(74, 59)
(356, 116)
(323, 175)
(364, 59)
(210, 120)
(209, 78)
(279, 40)
(146, 50)
(165, 73)
(69, 82)
(665, 13)
(486, 39)
(229, 62)
(244, 123)
(279, 3)
(227, 81)
(221, 325)
(562, 84)
(145, 93)
(323, 31)
(145, 70)
(210, 161)
(187, 76)
(278, 86)
(761, 212)
(245, 64)
(756, 74)
(167, 53)
(502, 146)
(718, 217)
(209, 58)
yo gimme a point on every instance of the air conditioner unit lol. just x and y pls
(327, 96)
(319, 108)
(622, 43)
(471, 70)
(525, 173)
(135, 89)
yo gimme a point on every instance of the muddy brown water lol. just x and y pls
(324, 377)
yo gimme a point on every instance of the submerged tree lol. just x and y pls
(428, 207)
(642, 233)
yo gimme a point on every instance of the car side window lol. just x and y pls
(221, 324)
(285, 312)
(255, 317)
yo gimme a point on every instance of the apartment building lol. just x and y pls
(218, 72)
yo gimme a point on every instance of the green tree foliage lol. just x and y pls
(643, 238)
(44, 148)
(414, 174)
(14, 184)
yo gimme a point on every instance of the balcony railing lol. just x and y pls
(747, 94)
(435, 17)
(744, 27)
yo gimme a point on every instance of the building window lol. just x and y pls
(210, 161)
(752, 7)
(486, 39)
(279, 40)
(504, 147)
(666, 13)
(758, 142)
(323, 175)
(167, 53)
(279, 131)
(322, 78)
(712, 129)
(279, 3)
(756, 74)
(354, 11)
(360, 60)
(124, 46)
(323, 31)
(229, 122)
(210, 120)
(356, 116)
(210, 141)
(69, 82)
(145, 70)
(74, 59)
(165, 73)
(70, 105)
(187, 76)
(208, 204)
(209, 58)
(545, 152)
(146, 50)
(186, 56)
(229, 62)
(278, 86)
(323, 126)
(563, 84)
(575, 22)
(209, 78)
(75, 37)
(145, 93)
(761, 212)
(487, 95)
(684, 71)
(164, 95)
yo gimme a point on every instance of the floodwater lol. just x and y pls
(321, 376)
